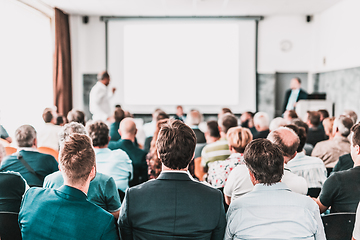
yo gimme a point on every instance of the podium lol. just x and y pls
(303, 106)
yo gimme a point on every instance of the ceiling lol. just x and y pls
(191, 7)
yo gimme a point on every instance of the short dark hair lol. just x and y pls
(227, 121)
(287, 145)
(47, 115)
(77, 157)
(119, 114)
(314, 117)
(301, 132)
(300, 123)
(226, 110)
(356, 136)
(98, 132)
(76, 116)
(298, 79)
(265, 160)
(161, 115)
(324, 113)
(103, 75)
(292, 114)
(176, 144)
(213, 128)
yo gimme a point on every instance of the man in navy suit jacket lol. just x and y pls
(65, 213)
(294, 94)
(173, 206)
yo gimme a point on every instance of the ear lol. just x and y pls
(135, 131)
(92, 174)
(35, 143)
(252, 178)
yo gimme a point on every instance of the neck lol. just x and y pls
(337, 134)
(100, 147)
(84, 187)
(222, 135)
(212, 139)
(261, 129)
(165, 168)
(128, 137)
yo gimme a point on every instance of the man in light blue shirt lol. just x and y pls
(116, 163)
(294, 94)
(271, 210)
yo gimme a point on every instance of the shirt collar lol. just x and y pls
(74, 192)
(98, 150)
(276, 186)
(30, 149)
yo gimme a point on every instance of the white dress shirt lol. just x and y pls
(99, 102)
(292, 99)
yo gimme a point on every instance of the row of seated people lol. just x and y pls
(223, 120)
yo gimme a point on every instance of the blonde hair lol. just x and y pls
(328, 124)
(238, 138)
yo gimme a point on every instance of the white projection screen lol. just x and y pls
(200, 64)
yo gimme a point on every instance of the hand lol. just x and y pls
(113, 90)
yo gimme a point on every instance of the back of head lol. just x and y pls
(227, 121)
(264, 159)
(301, 132)
(287, 140)
(77, 157)
(47, 115)
(25, 136)
(343, 124)
(355, 138)
(351, 114)
(213, 129)
(69, 129)
(176, 144)
(276, 123)
(290, 114)
(238, 138)
(128, 126)
(76, 116)
(103, 75)
(194, 118)
(328, 124)
(119, 114)
(261, 119)
(98, 132)
(323, 114)
(298, 122)
(314, 118)
(161, 115)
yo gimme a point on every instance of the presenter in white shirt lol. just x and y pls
(294, 94)
(100, 98)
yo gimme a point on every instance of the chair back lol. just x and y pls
(50, 151)
(313, 192)
(339, 226)
(9, 227)
(10, 150)
(198, 169)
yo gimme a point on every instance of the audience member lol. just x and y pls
(224, 111)
(351, 114)
(330, 150)
(239, 182)
(76, 116)
(102, 190)
(159, 116)
(341, 190)
(261, 123)
(315, 133)
(307, 147)
(65, 213)
(238, 138)
(294, 94)
(323, 114)
(12, 190)
(195, 209)
(289, 115)
(193, 119)
(152, 158)
(115, 164)
(328, 124)
(149, 128)
(32, 165)
(271, 210)
(310, 168)
(61, 120)
(247, 120)
(345, 162)
(179, 113)
(99, 98)
(219, 150)
(128, 132)
(276, 123)
(4, 134)
(119, 115)
(48, 135)
(212, 134)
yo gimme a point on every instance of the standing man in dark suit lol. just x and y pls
(177, 207)
(294, 94)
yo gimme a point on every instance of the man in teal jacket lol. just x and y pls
(65, 213)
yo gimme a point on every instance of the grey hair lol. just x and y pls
(343, 124)
(69, 129)
(25, 136)
(194, 117)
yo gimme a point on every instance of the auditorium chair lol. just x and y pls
(198, 169)
(339, 226)
(4, 142)
(9, 227)
(10, 150)
(50, 151)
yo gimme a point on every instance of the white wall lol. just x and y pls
(87, 52)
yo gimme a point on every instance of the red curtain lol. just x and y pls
(62, 64)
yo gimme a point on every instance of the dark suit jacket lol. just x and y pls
(64, 213)
(172, 207)
(114, 131)
(138, 158)
(41, 163)
(302, 95)
(200, 136)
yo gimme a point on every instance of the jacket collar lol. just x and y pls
(72, 192)
(169, 175)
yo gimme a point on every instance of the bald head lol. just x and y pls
(287, 140)
(127, 129)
